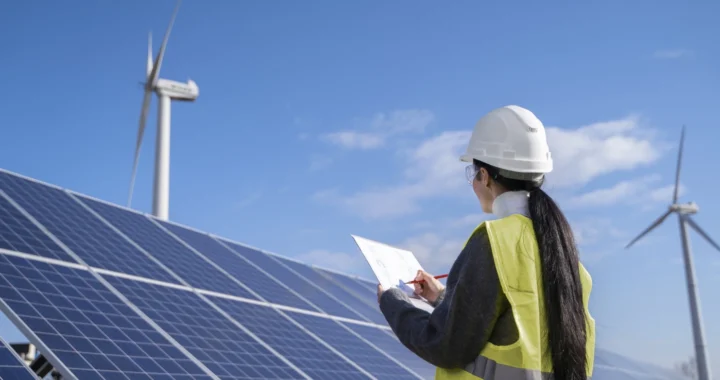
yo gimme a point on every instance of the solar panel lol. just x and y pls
(268, 288)
(11, 366)
(372, 360)
(212, 338)
(85, 330)
(89, 238)
(168, 302)
(369, 296)
(17, 233)
(193, 268)
(295, 282)
(310, 355)
(364, 310)
(390, 344)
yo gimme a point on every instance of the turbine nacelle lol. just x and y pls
(178, 90)
(689, 208)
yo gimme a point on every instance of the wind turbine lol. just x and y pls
(684, 212)
(166, 90)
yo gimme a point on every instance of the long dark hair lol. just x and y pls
(562, 288)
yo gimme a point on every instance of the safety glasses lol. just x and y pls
(470, 173)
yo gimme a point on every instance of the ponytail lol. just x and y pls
(562, 289)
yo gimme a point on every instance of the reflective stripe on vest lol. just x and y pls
(517, 261)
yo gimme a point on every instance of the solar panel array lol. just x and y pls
(109, 293)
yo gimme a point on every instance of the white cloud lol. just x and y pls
(585, 153)
(380, 128)
(641, 191)
(355, 140)
(339, 261)
(433, 170)
(672, 53)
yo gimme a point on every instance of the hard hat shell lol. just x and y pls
(510, 138)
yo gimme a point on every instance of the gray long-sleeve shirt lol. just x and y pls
(471, 311)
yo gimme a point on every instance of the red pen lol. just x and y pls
(435, 277)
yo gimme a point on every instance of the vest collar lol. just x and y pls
(511, 202)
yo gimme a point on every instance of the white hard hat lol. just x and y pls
(510, 138)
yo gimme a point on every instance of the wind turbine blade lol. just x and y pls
(652, 227)
(141, 131)
(701, 232)
(679, 161)
(149, 58)
(155, 73)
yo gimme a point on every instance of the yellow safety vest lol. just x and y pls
(517, 259)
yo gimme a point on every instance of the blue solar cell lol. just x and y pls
(370, 313)
(239, 268)
(181, 260)
(95, 243)
(369, 296)
(296, 283)
(218, 343)
(89, 329)
(18, 233)
(311, 356)
(392, 346)
(369, 286)
(11, 367)
(367, 357)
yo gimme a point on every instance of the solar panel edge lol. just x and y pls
(207, 259)
(326, 344)
(43, 229)
(249, 332)
(50, 355)
(399, 363)
(77, 197)
(84, 266)
(35, 340)
(352, 292)
(249, 262)
(279, 262)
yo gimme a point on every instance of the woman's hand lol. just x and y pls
(380, 291)
(430, 288)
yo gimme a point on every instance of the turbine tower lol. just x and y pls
(684, 212)
(166, 91)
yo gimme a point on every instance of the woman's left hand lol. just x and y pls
(380, 291)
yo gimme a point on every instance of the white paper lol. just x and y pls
(393, 267)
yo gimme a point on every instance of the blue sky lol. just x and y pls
(318, 120)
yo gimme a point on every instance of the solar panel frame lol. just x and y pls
(259, 296)
(331, 331)
(12, 365)
(349, 284)
(230, 306)
(360, 314)
(390, 344)
(222, 313)
(49, 353)
(51, 211)
(265, 260)
(18, 237)
(168, 256)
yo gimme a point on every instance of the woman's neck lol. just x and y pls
(511, 202)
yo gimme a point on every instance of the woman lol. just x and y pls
(515, 305)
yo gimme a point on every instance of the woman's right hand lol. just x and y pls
(430, 288)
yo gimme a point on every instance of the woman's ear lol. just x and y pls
(484, 177)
